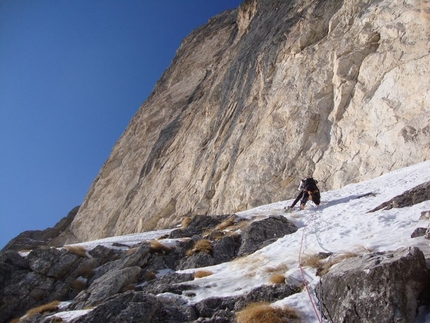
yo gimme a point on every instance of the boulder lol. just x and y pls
(136, 307)
(197, 260)
(418, 232)
(168, 283)
(109, 284)
(198, 224)
(258, 233)
(376, 287)
(225, 249)
(411, 197)
(266, 293)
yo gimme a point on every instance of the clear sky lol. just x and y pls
(72, 75)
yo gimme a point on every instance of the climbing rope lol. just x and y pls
(303, 276)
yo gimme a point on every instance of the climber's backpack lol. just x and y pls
(308, 183)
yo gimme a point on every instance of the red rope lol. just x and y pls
(304, 280)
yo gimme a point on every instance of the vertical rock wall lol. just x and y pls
(261, 96)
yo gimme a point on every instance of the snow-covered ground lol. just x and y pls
(340, 224)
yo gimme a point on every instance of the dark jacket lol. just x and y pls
(308, 190)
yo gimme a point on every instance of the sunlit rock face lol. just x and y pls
(261, 96)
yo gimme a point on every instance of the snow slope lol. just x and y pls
(340, 224)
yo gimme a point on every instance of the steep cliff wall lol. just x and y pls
(261, 96)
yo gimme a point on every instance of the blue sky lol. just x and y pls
(72, 75)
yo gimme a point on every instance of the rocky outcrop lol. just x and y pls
(45, 275)
(378, 287)
(411, 197)
(101, 277)
(55, 236)
(261, 96)
(259, 233)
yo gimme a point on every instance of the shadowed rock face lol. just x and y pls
(261, 96)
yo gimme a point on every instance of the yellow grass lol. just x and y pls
(313, 261)
(202, 245)
(150, 275)
(225, 224)
(46, 308)
(277, 269)
(77, 250)
(202, 273)
(323, 265)
(185, 221)
(158, 247)
(277, 279)
(264, 313)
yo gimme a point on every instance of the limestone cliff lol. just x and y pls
(261, 96)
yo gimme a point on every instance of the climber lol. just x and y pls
(308, 191)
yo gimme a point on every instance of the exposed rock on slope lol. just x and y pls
(102, 276)
(379, 287)
(262, 95)
(55, 236)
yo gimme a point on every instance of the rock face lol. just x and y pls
(261, 96)
(380, 287)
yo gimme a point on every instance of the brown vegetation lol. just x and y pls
(77, 250)
(157, 247)
(185, 221)
(263, 312)
(46, 308)
(225, 224)
(277, 279)
(202, 273)
(277, 269)
(202, 245)
(85, 271)
(78, 285)
(323, 265)
(150, 275)
(131, 251)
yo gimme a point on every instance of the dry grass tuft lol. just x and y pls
(202, 273)
(362, 249)
(323, 265)
(16, 320)
(131, 251)
(202, 245)
(185, 221)
(150, 275)
(128, 287)
(277, 279)
(77, 250)
(263, 312)
(277, 269)
(46, 308)
(78, 285)
(313, 261)
(85, 271)
(157, 247)
(225, 224)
